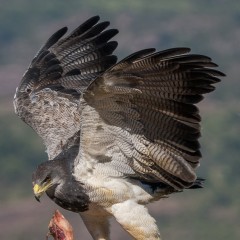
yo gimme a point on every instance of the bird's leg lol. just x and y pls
(97, 224)
(135, 219)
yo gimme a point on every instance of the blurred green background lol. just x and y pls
(210, 27)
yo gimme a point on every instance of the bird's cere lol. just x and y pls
(39, 190)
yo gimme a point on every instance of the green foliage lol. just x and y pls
(208, 27)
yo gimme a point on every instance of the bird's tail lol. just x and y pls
(161, 190)
(197, 184)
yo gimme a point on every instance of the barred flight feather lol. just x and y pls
(161, 88)
(64, 66)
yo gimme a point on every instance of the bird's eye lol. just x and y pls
(47, 179)
(28, 90)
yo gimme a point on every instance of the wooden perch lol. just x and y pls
(60, 228)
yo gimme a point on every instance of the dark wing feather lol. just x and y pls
(47, 98)
(143, 110)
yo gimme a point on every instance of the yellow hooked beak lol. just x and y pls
(39, 190)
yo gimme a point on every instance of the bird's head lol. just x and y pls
(46, 178)
(55, 178)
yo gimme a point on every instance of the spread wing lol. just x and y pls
(47, 98)
(140, 117)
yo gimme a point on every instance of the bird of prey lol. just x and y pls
(118, 135)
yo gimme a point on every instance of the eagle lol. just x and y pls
(118, 135)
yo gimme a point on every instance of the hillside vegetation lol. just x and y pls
(208, 27)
